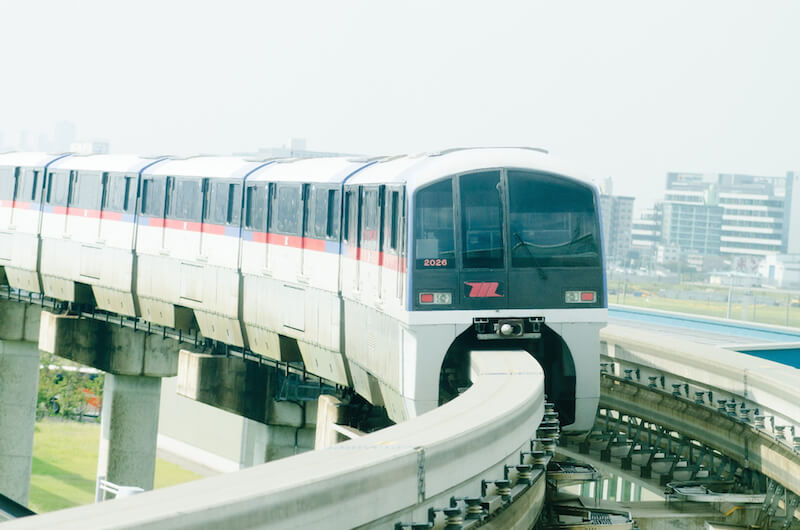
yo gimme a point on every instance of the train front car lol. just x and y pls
(505, 253)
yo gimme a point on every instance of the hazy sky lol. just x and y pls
(628, 89)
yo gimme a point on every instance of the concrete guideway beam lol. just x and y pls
(248, 389)
(107, 347)
(374, 481)
(129, 430)
(775, 388)
(19, 322)
(19, 382)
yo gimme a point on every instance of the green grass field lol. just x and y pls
(65, 464)
(761, 313)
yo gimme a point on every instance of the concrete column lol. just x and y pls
(19, 383)
(129, 430)
(329, 413)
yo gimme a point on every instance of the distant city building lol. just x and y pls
(296, 149)
(666, 254)
(24, 144)
(792, 214)
(730, 214)
(691, 227)
(64, 135)
(781, 270)
(616, 214)
(89, 148)
(646, 233)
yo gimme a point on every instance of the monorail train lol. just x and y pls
(380, 274)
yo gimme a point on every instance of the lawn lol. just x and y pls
(65, 465)
(645, 295)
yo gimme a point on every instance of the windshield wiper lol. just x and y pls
(526, 245)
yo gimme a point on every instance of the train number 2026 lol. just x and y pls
(435, 263)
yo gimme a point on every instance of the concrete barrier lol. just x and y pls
(392, 475)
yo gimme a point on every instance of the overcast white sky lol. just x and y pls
(626, 89)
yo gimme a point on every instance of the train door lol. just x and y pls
(82, 223)
(119, 202)
(285, 232)
(85, 204)
(306, 244)
(402, 226)
(221, 216)
(483, 275)
(391, 270)
(8, 189)
(56, 199)
(26, 213)
(350, 235)
(150, 232)
(370, 242)
(269, 193)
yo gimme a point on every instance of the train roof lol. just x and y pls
(418, 170)
(105, 162)
(313, 170)
(227, 167)
(28, 159)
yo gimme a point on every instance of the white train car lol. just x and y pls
(88, 230)
(21, 185)
(187, 244)
(501, 249)
(378, 274)
(290, 262)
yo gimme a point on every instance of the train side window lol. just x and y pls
(308, 210)
(434, 242)
(318, 202)
(370, 220)
(332, 225)
(185, 200)
(58, 185)
(8, 182)
(29, 185)
(287, 210)
(401, 223)
(391, 220)
(223, 203)
(234, 204)
(351, 217)
(153, 191)
(120, 195)
(256, 207)
(87, 190)
(216, 203)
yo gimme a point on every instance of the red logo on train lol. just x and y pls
(483, 290)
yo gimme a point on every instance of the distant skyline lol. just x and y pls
(624, 89)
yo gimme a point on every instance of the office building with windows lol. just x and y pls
(731, 214)
(616, 214)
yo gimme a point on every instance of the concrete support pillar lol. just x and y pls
(329, 413)
(19, 383)
(129, 430)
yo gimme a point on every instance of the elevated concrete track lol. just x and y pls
(396, 475)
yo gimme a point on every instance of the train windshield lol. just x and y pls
(433, 221)
(482, 220)
(551, 222)
(505, 238)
